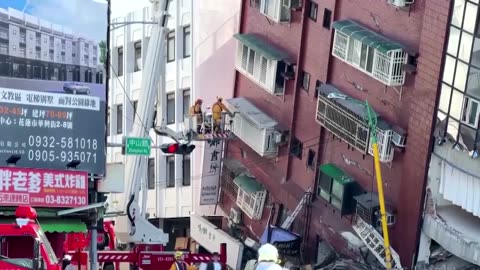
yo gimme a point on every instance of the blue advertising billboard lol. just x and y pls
(52, 90)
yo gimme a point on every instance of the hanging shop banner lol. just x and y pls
(43, 188)
(212, 158)
(52, 95)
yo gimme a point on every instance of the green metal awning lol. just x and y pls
(366, 36)
(62, 225)
(264, 48)
(336, 173)
(248, 184)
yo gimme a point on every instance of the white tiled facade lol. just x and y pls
(34, 48)
(170, 191)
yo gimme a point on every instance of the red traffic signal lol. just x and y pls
(177, 149)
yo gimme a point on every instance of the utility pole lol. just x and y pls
(93, 237)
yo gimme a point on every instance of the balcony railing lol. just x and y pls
(346, 119)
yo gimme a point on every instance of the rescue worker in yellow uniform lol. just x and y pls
(196, 111)
(180, 264)
(217, 109)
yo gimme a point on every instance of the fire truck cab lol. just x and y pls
(23, 244)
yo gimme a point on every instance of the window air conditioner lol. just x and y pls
(399, 138)
(235, 215)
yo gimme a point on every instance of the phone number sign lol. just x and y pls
(43, 188)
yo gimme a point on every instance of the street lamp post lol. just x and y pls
(372, 124)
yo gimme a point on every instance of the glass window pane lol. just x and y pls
(453, 41)
(445, 98)
(456, 106)
(470, 18)
(461, 76)
(473, 85)
(448, 70)
(441, 116)
(457, 16)
(453, 127)
(476, 51)
(465, 47)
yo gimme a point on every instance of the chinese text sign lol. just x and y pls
(211, 172)
(43, 188)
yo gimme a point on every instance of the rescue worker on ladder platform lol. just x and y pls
(196, 111)
(180, 264)
(217, 109)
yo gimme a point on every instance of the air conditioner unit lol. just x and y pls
(399, 3)
(235, 215)
(280, 137)
(399, 137)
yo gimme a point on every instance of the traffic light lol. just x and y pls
(177, 148)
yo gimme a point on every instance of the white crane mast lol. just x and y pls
(139, 229)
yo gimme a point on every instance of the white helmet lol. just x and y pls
(268, 252)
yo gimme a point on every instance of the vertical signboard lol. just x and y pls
(52, 95)
(212, 158)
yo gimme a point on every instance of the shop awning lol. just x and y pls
(335, 173)
(366, 36)
(62, 225)
(248, 184)
(262, 47)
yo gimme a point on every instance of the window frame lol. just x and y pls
(119, 122)
(306, 81)
(186, 105)
(250, 202)
(313, 6)
(134, 107)
(383, 67)
(327, 18)
(254, 71)
(137, 56)
(108, 122)
(187, 37)
(467, 111)
(170, 118)
(120, 64)
(170, 175)
(186, 159)
(170, 51)
(275, 13)
(151, 174)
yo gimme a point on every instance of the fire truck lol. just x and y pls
(24, 246)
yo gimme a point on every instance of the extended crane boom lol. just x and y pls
(139, 229)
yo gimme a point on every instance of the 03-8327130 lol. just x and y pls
(70, 200)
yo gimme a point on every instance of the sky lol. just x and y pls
(88, 17)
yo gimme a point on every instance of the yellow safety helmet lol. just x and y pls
(268, 252)
(178, 254)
